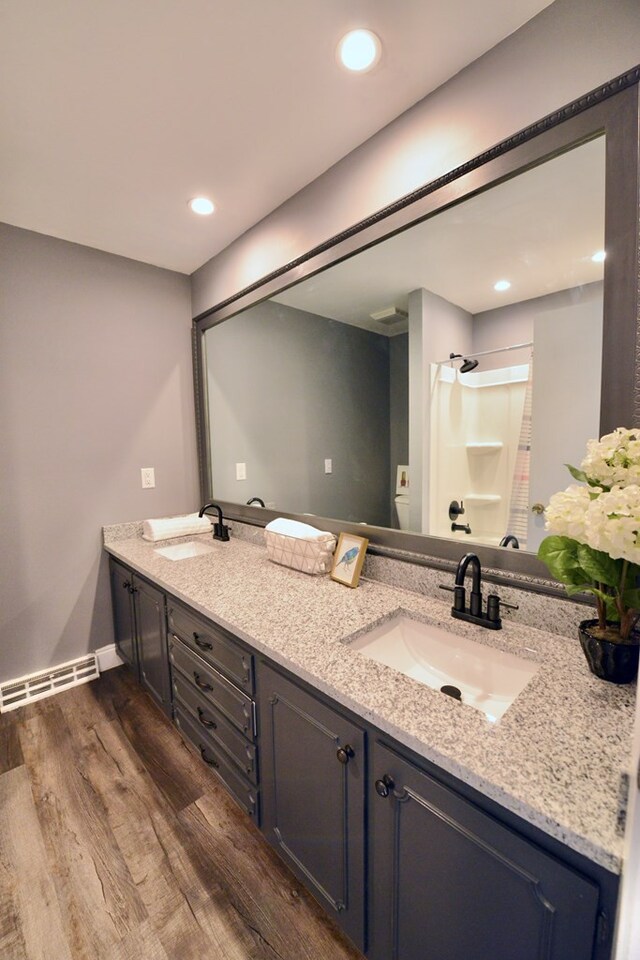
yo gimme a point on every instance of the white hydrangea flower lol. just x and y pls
(613, 523)
(566, 513)
(614, 460)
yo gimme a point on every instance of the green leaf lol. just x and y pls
(599, 566)
(560, 554)
(633, 576)
(631, 598)
(577, 474)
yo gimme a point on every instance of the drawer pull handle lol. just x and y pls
(203, 754)
(200, 683)
(345, 753)
(210, 724)
(384, 786)
(203, 644)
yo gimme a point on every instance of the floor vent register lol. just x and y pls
(36, 686)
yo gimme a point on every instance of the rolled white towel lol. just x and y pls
(166, 528)
(294, 528)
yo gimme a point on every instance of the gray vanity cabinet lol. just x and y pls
(313, 794)
(140, 631)
(450, 881)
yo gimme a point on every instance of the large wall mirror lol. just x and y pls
(429, 374)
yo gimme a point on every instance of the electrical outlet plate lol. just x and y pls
(241, 471)
(148, 477)
(328, 466)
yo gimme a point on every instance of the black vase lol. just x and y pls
(615, 662)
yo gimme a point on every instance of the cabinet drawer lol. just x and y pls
(233, 703)
(214, 645)
(215, 757)
(205, 715)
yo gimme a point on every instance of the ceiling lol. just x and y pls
(114, 114)
(538, 230)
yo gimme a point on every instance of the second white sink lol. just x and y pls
(182, 551)
(486, 678)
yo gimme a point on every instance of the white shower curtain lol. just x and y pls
(519, 501)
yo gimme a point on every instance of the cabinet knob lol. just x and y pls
(345, 753)
(384, 786)
(126, 585)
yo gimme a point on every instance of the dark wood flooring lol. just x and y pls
(116, 843)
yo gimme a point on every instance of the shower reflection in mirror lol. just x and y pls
(481, 442)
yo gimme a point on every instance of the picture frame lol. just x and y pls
(348, 559)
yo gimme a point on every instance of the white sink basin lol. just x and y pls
(488, 679)
(182, 551)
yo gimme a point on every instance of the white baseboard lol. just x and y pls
(108, 658)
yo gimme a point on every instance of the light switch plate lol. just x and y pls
(241, 471)
(328, 465)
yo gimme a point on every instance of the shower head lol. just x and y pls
(466, 365)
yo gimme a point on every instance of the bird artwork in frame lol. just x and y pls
(348, 559)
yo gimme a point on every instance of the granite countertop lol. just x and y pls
(556, 757)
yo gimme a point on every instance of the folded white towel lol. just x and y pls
(298, 545)
(296, 529)
(165, 528)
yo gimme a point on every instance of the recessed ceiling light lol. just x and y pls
(501, 285)
(599, 256)
(359, 50)
(202, 206)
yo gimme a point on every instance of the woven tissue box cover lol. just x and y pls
(309, 556)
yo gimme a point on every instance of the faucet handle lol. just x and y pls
(509, 606)
(458, 596)
(493, 607)
(455, 509)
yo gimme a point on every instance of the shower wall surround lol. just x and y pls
(476, 421)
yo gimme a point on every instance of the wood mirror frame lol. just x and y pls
(611, 110)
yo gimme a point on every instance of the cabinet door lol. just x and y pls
(123, 618)
(313, 801)
(449, 881)
(152, 642)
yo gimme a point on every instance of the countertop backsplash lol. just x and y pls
(554, 614)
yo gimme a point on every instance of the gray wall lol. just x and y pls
(95, 383)
(515, 322)
(569, 48)
(288, 389)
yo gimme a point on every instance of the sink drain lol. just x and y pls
(451, 691)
